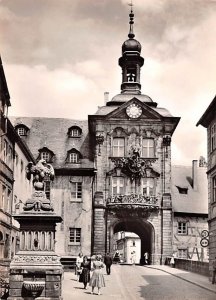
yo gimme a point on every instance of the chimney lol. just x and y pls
(194, 174)
(106, 97)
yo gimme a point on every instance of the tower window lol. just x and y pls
(148, 148)
(118, 147)
(118, 185)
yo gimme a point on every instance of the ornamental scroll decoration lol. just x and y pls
(134, 166)
(99, 142)
(41, 171)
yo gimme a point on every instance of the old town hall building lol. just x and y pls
(112, 171)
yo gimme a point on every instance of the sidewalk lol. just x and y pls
(194, 278)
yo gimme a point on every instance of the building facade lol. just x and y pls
(190, 211)
(113, 172)
(14, 188)
(208, 120)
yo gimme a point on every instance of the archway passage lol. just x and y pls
(142, 228)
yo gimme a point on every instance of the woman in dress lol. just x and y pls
(79, 260)
(85, 275)
(97, 279)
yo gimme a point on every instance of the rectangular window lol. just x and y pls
(182, 228)
(73, 157)
(10, 156)
(8, 204)
(148, 187)
(214, 189)
(45, 155)
(118, 147)
(3, 196)
(75, 235)
(213, 137)
(21, 166)
(5, 150)
(118, 185)
(182, 253)
(148, 148)
(47, 188)
(76, 190)
(21, 131)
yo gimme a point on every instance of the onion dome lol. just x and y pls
(131, 44)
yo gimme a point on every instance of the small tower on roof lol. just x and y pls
(131, 62)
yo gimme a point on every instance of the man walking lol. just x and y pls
(108, 263)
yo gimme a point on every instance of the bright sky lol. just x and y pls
(60, 56)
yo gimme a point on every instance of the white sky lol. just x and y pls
(60, 56)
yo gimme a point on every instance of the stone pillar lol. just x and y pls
(99, 224)
(166, 227)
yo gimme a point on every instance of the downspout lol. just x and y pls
(163, 191)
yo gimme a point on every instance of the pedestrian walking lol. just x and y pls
(85, 273)
(146, 257)
(172, 261)
(214, 271)
(133, 258)
(108, 263)
(97, 279)
(78, 269)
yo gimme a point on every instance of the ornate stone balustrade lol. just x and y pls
(132, 205)
(133, 199)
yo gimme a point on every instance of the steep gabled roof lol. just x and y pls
(208, 115)
(196, 200)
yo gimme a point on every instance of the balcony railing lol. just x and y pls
(133, 199)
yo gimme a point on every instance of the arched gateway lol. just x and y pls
(131, 139)
(139, 226)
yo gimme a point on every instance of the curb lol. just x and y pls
(187, 280)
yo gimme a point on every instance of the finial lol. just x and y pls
(131, 35)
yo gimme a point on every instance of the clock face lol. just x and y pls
(134, 111)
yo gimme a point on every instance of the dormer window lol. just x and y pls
(46, 154)
(182, 190)
(22, 130)
(74, 132)
(73, 156)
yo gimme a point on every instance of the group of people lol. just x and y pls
(84, 266)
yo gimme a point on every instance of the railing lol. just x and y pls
(133, 199)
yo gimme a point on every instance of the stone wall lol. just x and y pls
(192, 266)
